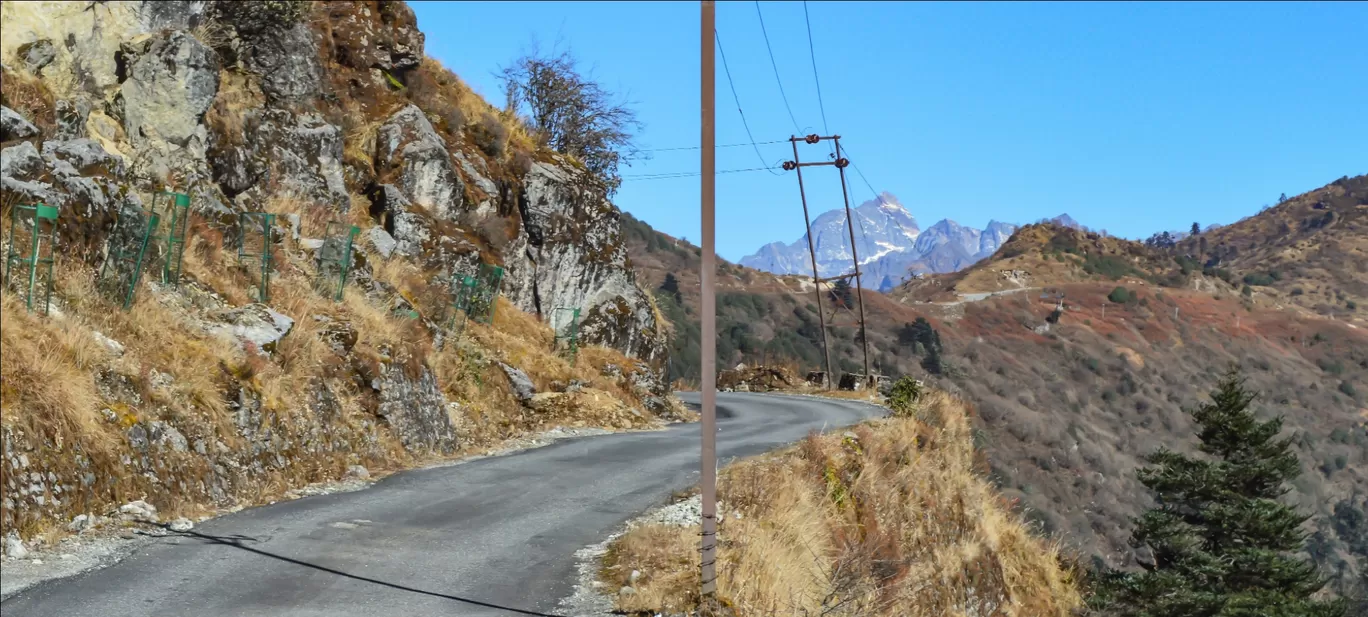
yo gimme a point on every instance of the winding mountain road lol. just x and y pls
(489, 537)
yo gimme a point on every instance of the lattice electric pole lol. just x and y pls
(32, 232)
(840, 163)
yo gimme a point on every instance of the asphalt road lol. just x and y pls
(473, 539)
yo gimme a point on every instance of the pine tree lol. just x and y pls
(1196, 229)
(1222, 544)
(671, 286)
(842, 292)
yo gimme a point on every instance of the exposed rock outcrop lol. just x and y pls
(415, 409)
(575, 257)
(411, 155)
(282, 152)
(15, 126)
(171, 81)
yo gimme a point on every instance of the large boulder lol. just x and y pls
(78, 176)
(574, 256)
(523, 388)
(21, 162)
(15, 126)
(410, 227)
(37, 55)
(288, 64)
(391, 43)
(256, 324)
(415, 409)
(83, 157)
(80, 41)
(413, 157)
(299, 154)
(172, 80)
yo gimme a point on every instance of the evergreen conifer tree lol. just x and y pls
(1220, 542)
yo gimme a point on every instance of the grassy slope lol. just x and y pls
(890, 518)
(62, 389)
(1067, 413)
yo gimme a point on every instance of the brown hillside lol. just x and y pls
(1311, 250)
(1046, 255)
(1068, 408)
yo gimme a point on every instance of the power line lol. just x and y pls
(775, 66)
(691, 174)
(813, 54)
(737, 99)
(862, 177)
(867, 185)
(758, 143)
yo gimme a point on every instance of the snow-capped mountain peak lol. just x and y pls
(888, 241)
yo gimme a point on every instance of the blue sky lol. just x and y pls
(1131, 117)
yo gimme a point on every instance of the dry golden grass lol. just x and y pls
(48, 382)
(155, 336)
(434, 88)
(468, 368)
(889, 519)
(237, 94)
(30, 96)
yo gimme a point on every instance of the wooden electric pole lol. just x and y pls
(840, 164)
(708, 186)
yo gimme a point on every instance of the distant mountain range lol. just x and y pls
(890, 244)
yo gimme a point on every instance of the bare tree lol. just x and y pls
(572, 113)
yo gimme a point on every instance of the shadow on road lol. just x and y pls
(237, 541)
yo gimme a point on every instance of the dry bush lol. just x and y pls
(889, 519)
(30, 96)
(490, 134)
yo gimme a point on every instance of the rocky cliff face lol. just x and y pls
(132, 86)
(318, 112)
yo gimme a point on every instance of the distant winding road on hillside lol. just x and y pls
(473, 539)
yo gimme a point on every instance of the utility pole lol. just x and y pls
(859, 288)
(708, 186)
(840, 164)
(816, 278)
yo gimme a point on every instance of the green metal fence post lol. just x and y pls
(127, 249)
(249, 221)
(346, 262)
(40, 213)
(334, 259)
(43, 222)
(152, 221)
(179, 206)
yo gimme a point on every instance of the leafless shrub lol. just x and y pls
(572, 112)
